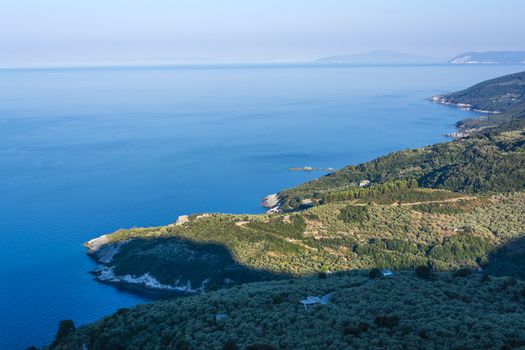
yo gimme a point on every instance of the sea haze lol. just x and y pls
(84, 152)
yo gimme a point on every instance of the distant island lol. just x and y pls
(396, 57)
(490, 57)
(381, 57)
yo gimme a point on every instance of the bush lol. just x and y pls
(260, 347)
(508, 282)
(353, 214)
(363, 326)
(230, 345)
(182, 344)
(424, 272)
(351, 330)
(375, 273)
(386, 321)
(278, 298)
(116, 344)
(463, 272)
(65, 327)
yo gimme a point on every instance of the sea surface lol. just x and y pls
(84, 152)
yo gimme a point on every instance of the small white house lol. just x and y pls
(387, 273)
(313, 300)
(363, 183)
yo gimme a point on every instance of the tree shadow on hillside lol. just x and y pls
(184, 263)
(507, 259)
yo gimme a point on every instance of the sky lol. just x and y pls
(65, 32)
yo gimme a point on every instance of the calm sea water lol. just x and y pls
(84, 152)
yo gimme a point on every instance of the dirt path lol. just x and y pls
(450, 200)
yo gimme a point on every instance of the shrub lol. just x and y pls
(166, 339)
(353, 214)
(406, 330)
(116, 344)
(230, 345)
(423, 334)
(65, 327)
(351, 330)
(508, 282)
(355, 331)
(424, 272)
(375, 273)
(278, 298)
(363, 326)
(463, 272)
(260, 347)
(182, 344)
(387, 321)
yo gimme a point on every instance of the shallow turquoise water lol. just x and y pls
(87, 151)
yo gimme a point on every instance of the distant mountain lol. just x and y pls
(381, 57)
(490, 57)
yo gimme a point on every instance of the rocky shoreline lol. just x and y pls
(102, 251)
(461, 132)
(444, 100)
(273, 203)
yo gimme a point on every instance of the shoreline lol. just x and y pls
(102, 250)
(443, 100)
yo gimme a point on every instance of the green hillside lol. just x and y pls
(495, 95)
(445, 210)
(465, 165)
(441, 311)
(427, 227)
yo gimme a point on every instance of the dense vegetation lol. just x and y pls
(514, 114)
(456, 206)
(500, 94)
(435, 311)
(437, 228)
(466, 165)
(483, 163)
(399, 191)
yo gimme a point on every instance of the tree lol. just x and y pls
(65, 327)
(230, 345)
(375, 273)
(424, 272)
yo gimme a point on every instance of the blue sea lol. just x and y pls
(84, 152)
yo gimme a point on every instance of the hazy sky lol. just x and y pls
(34, 32)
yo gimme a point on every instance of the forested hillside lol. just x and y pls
(448, 219)
(467, 165)
(419, 227)
(409, 310)
(495, 95)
